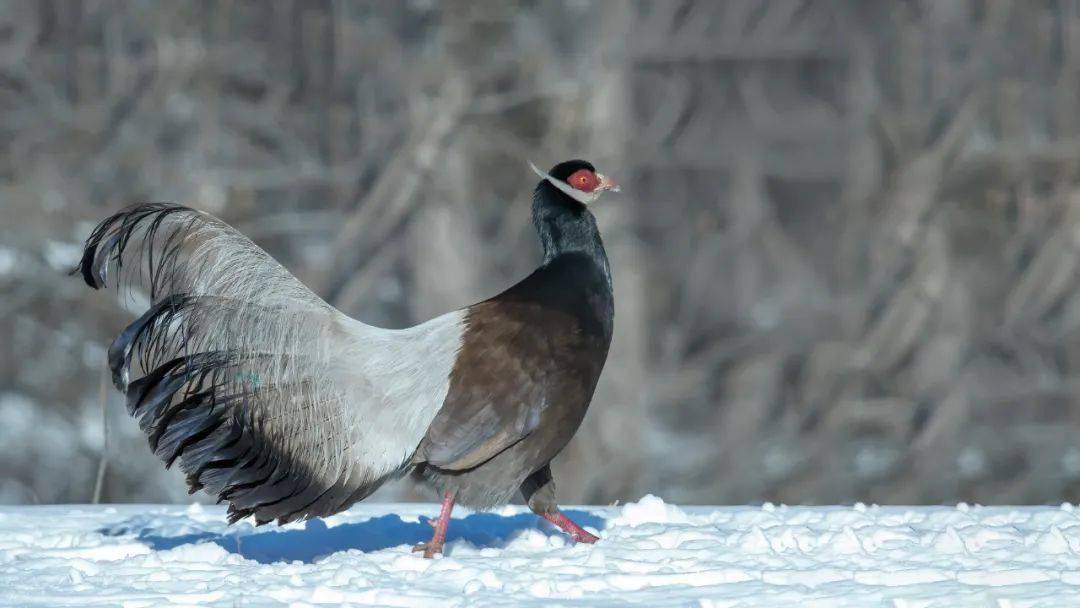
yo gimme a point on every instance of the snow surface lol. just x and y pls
(651, 554)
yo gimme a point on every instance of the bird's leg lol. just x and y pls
(438, 538)
(567, 525)
(539, 491)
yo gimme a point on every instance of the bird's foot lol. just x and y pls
(584, 536)
(576, 532)
(435, 545)
(430, 549)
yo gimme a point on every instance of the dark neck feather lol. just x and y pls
(566, 226)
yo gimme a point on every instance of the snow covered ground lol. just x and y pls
(652, 554)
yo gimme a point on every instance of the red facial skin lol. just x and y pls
(583, 180)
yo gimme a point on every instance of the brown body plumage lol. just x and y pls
(529, 363)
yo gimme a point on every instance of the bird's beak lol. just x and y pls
(606, 183)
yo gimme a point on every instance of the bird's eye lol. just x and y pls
(584, 180)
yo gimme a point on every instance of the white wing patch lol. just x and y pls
(398, 380)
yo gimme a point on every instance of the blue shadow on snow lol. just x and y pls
(317, 540)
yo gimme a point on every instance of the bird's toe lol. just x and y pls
(585, 537)
(429, 549)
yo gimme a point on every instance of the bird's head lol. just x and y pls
(578, 179)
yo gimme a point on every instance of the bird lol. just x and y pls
(272, 400)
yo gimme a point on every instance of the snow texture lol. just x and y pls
(651, 554)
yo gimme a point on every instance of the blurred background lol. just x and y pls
(846, 256)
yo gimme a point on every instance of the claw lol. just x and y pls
(584, 537)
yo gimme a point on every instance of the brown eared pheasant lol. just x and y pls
(276, 402)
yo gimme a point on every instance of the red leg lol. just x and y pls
(435, 545)
(567, 525)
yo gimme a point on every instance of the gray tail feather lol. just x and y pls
(188, 415)
(189, 404)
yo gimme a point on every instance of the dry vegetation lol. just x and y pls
(846, 257)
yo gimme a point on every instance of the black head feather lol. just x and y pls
(563, 224)
(565, 169)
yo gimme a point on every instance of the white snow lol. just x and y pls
(651, 554)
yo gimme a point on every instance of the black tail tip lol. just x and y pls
(80, 272)
(83, 269)
(235, 514)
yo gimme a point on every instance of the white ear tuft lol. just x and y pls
(537, 171)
